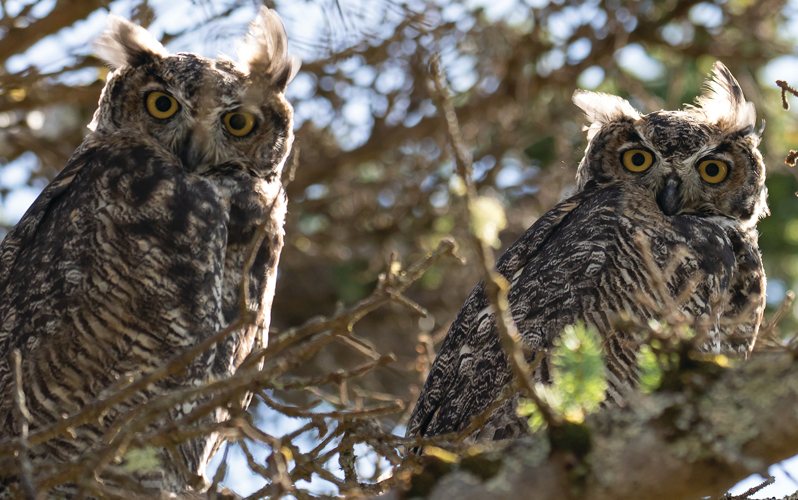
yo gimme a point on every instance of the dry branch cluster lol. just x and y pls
(695, 437)
(264, 371)
(409, 154)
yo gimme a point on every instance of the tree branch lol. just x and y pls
(695, 443)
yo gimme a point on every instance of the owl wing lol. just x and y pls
(115, 269)
(20, 237)
(579, 262)
(464, 380)
(745, 304)
(254, 203)
(21, 234)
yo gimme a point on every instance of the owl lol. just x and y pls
(137, 250)
(690, 180)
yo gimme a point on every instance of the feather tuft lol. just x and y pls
(127, 44)
(264, 52)
(601, 109)
(723, 103)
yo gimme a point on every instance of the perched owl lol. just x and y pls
(136, 251)
(692, 179)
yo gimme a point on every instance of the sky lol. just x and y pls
(305, 20)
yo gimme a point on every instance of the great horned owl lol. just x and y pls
(136, 251)
(691, 178)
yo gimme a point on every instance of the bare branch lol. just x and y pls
(663, 446)
(496, 287)
(22, 418)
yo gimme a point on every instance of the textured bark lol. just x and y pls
(694, 443)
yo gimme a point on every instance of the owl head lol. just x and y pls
(702, 160)
(203, 113)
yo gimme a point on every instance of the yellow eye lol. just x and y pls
(161, 105)
(713, 171)
(239, 124)
(637, 160)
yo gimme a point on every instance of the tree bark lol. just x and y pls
(723, 425)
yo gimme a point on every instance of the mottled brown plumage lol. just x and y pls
(136, 250)
(651, 178)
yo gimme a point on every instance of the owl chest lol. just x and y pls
(679, 260)
(144, 265)
(622, 265)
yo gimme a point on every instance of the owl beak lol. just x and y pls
(668, 197)
(192, 153)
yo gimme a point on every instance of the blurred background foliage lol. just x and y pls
(375, 173)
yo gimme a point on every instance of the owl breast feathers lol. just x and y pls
(136, 251)
(648, 186)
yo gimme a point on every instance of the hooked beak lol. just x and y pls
(193, 153)
(668, 197)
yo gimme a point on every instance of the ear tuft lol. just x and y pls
(723, 103)
(601, 109)
(127, 44)
(264, 52)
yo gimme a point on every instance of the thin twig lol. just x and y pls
(338, 415)
(22, 418)
(792, 157)
(784, 89)
(751, 491)
(767, 330)
(220, 474)
(495, 285)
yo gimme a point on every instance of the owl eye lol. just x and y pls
(161, 105)
(238, 123)
(713, 171)
(637, 160)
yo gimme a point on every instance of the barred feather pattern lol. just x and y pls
(583, 261)
(128, 266)
(137, 250)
